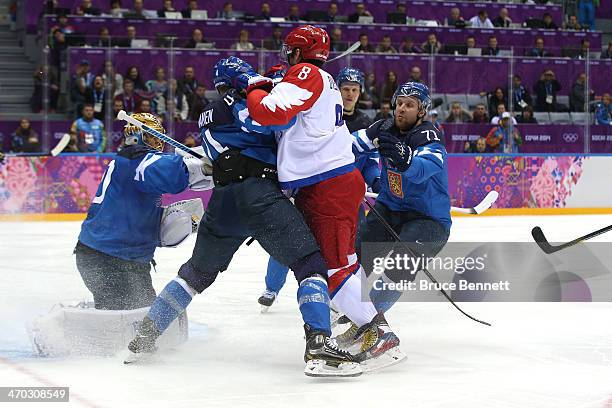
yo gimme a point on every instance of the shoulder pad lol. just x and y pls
(424, 134)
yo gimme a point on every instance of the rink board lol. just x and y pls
(61, 188)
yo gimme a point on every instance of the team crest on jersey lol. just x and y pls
(395, 183)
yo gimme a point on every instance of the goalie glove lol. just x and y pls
(200, 173)
(179, 220)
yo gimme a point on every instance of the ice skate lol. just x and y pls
(346, 339)
(325, 359)
(143, 346)
(380, 346)
(266, 300)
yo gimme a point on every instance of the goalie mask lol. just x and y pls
(133, 135)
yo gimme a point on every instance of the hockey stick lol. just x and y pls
(122, 115)
(484, 205)
(540, 239)
(59, 147)
(397, 238)
(348, 51)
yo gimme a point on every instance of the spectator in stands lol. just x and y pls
(498, 138)
(63, 25)
(243, 43)
(332, 12)
(548, 22)
(385, 47)
(133, 73)
(576, 98)
(117, 106)
(42, 74)
(228, 12)
(585, 46)
(178, 104)
(415, 74)
(58, 46)
(51, 7)
(364, 45)
(501, 110)
(481, 20)
(495, 98)
(89, 132)
(294, 13)
(572, 23)
(197, 101)
(117, 79)
(479, 146)
(538, 50)
(603, 111)
(458, 114)
(191, 6)
(87, 9)
(189, 141)
(432, 45)
(197, 37)
(455, 19)
(104, 39)
(526, 116)
(586, 13)
(408, 47)
(265, 13)
(25, 139)
(129, 98)
(115, 9)
(96, 96)
(546, 92)
(492, 48)
(434, 119)
(502, 19)
(480, 114)
(79, 88)
(188, 84)
(337, 44)
(470, 42)
(139, 11)
(384, 112)
(607, 54)
(126, 42)
(520, 94)
(168, 7)
(389, 87)
(144, 106)
(277, 40)
(360, 11)
(159, 85)
(180, 114)
(370, 98)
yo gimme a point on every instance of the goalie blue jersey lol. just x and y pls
(124, 217)
(423, 187)
(225, 124)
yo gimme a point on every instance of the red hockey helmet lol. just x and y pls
(312, 41)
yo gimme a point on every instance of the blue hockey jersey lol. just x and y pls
(124, 217)
(366, 161)
(423, 187)
(226, 124)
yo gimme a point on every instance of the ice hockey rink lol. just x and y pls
(534, 355)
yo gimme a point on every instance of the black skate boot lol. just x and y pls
(380, 346)
(143, 345)
(266, 300)
(325, 359)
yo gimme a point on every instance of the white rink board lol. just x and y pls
(535, 355)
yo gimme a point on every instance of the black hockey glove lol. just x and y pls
(395, 151)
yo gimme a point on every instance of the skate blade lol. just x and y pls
(264, 309)
(389, 358)
(139, 358)
(318, 368)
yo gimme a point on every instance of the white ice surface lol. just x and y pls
(535, 355)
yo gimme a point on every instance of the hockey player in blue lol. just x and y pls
(351, 83)
(247, 201)
(414, 197)
(125, 223)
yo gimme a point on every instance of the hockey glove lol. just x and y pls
(252, 80)
(395, 151)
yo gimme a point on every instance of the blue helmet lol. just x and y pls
(225, 71)
(415, 89)
(351, 75)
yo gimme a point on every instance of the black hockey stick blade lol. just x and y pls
(540, 239)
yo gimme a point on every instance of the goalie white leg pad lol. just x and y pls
(79, 330)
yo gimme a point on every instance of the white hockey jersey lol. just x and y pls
(318, 146)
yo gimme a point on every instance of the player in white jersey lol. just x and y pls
(315, 155)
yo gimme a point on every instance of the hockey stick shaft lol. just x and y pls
(348, 51)
(472, 210)
(122, 115)
(397, 238)
(59, 147)
(540, 239)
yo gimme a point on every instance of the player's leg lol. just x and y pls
(276, 275)
(116, 284)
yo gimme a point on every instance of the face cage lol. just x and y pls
(145, 138)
